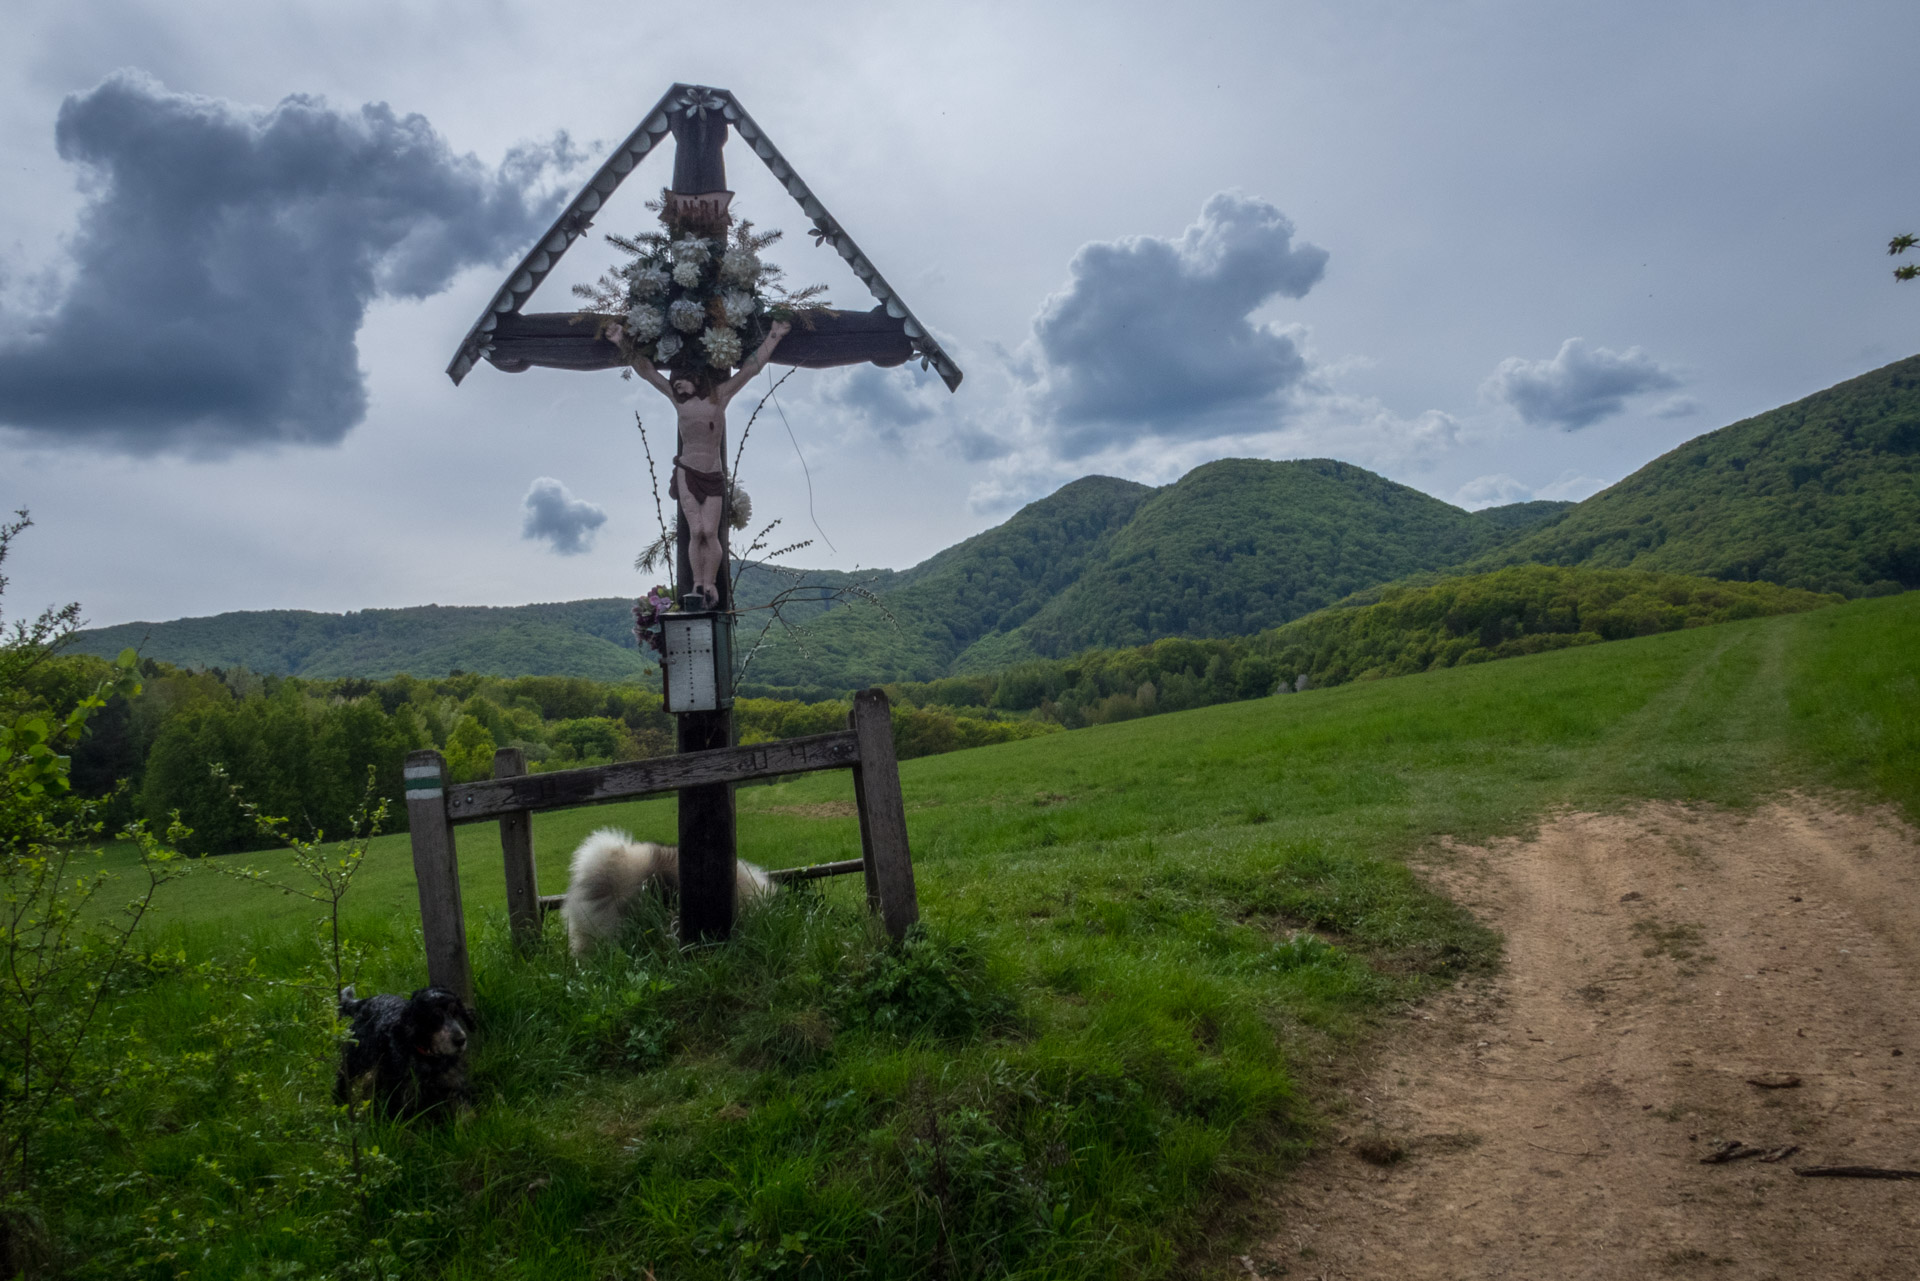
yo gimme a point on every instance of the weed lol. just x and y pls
(1678, 940)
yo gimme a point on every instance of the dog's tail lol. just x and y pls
(610, 870)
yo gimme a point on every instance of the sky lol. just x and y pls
(1495, 251)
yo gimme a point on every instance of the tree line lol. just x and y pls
(301, 748)
(1391, 631)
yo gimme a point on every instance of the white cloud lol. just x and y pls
(1573, 487)
(1581, 384)
(1492, 491)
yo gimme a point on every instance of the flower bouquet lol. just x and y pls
(692, 301)
(648, 630)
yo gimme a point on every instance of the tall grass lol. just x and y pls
(1144, 940)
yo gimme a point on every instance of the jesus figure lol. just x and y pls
(699, 468)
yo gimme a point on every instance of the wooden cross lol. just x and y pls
(700, 119)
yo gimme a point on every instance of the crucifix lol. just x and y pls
(700, 376)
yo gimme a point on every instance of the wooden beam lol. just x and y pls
(778, 875)
(516, 850)
(883, 813)
(436, 869)
(814, 871)
(471, 802)
(820, 340)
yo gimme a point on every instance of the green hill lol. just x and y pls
(1230, 548)
(1242, 544)
(970, 595)
(590, 638)
(1822, 494)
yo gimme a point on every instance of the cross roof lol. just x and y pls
(653, 128)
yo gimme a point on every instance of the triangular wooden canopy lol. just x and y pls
(513, 341)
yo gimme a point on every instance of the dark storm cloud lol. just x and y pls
(1155, 337)
(1579, 386)
(553, 513)
(226, 257)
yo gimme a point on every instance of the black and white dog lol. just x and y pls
(413, 1047)
(611, 871)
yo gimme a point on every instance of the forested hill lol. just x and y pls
(590, 638)
(1822, 494)
(974, 593)
(1231, 548)
(1241, 545)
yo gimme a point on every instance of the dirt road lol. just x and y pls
(1669, 974)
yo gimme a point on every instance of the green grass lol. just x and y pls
(1104, 1042)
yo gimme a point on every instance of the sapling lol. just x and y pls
(59, 954)
(326, 873)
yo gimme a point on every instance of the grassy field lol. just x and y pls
(1106, 1038)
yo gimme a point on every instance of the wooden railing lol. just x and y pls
(513, 796)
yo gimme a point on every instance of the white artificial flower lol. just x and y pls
(738, 267)
(723, 347)
(692, 249)
(645, 323)
(646, 282)
(686, 274)
(686, 316)
(666, 349)
(737, 305)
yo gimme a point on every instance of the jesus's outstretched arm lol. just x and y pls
(755, 363)
(644, 367)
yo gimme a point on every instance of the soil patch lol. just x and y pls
(1677, 980)
(820, 809)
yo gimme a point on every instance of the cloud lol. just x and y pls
(1496, 490)
(1578, 387)
(1572, 485)
(1677, 407)
(226, 256)
(885, 400)
(553, 513)
(1156, 338)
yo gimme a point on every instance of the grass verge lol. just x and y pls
(1141, 937)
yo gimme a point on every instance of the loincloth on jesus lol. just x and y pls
(701, 485)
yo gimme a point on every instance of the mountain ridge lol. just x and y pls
(1821, 494)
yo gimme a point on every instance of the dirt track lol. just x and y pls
(1550, 1123)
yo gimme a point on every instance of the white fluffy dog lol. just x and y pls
(611, 871)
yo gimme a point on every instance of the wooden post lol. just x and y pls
(436, 867)
(708, 840)
(516, 849)
(883, 814)
(707, 832)
(707, 836)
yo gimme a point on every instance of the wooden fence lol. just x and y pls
(513, 796)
